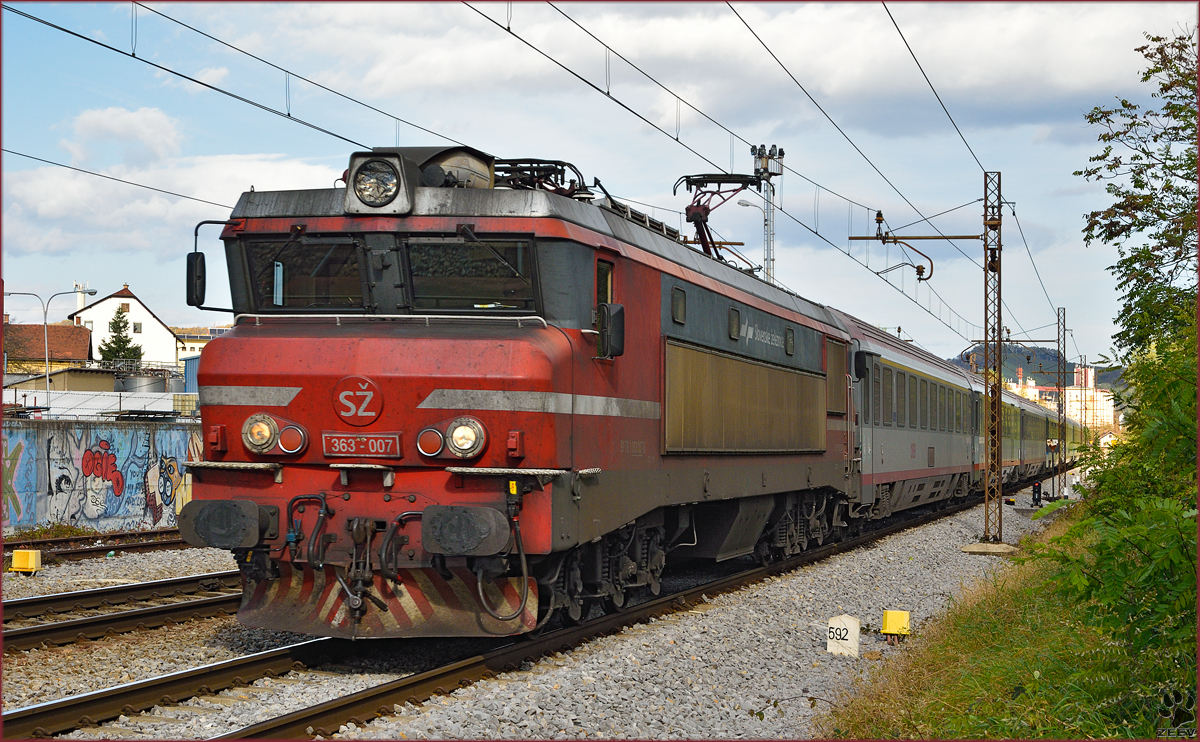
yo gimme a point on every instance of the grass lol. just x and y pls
(52, 530)
(997, 664)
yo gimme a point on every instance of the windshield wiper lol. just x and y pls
(465, 229)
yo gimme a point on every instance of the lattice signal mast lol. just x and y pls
(993, 357)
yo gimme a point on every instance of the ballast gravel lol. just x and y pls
(746, 664)
(121, 569)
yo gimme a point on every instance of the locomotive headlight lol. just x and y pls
(376, 183)
(466, 437)
(260, 433)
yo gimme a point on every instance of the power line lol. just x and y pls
(301, 77)
(710, 119)
(168, 70)
(1031, 260)
(935, 92)
(607, 94)
(940, 213)
(109, 177)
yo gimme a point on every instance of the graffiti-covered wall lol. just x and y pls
(107, 475)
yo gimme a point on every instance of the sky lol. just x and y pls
(1016, 78)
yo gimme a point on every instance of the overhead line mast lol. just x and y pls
(993, 360)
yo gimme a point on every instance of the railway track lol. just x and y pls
(143, 605)
(326, 718)
(72, 548)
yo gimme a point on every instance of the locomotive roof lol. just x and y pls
(475, 202)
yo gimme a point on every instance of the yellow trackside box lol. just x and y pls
(26, 560)
(895, 622)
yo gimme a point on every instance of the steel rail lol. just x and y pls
(326, 718)
(135, 547)
(106, 596)
(37, 543)
(64, 714)
(54, 717)
(95, 627)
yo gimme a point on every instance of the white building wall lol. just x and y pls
(157, 341)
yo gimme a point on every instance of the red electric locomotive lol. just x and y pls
(462, 394)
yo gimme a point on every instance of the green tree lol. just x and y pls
(1130, 562)
(1149, 166)
(119, 346)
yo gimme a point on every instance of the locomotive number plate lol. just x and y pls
(375, 445)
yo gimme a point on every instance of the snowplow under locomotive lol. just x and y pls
(462, 394)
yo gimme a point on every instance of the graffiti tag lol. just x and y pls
(102, 464)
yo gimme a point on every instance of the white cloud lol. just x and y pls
(143, 136)
(55, 211)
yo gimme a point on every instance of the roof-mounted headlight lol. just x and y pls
(376, 183)
(380, 183)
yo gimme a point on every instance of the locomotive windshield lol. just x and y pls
(303, 274)
(471, 275)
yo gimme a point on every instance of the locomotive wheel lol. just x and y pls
(615, 603)
(656, 563)
(576, 608)
(763, 553)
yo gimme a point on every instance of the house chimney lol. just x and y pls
(6, 318)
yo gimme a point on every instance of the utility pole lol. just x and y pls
(1060, 473)
(993, 358)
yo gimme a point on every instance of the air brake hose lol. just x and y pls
(397, 523)
(483, 601)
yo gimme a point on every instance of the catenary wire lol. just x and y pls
(718, 167)
(119, 180)
(684, 101)
(168, 70)
(964, 141)
(935, 92)
(856, 147)
(301, 77)
(1029, 252)
(934, 216)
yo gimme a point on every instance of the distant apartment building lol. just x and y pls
(1084, 401)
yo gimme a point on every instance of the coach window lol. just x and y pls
(914, 410)
(889, 402)
(875, 392)
(900, 399)
(678, 305)
(958, 412)
(941, 408)
(924, 404)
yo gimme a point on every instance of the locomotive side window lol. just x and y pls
(875, 392)
(305, 274)
(460, 275)
(735, 323)
(604, 283)
(889, 401)
(789, 341)
(835, 376)
(958, 412)
(924, 404)
(678, 305)
(901, 397)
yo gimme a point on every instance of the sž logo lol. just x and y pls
(357, 400)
